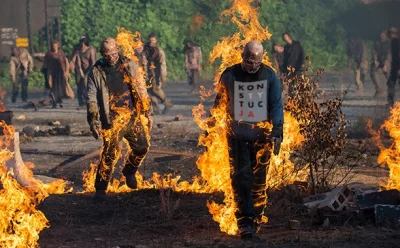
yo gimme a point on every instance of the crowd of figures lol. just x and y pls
(385, 59)
(56, 70)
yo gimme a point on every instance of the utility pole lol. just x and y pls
(28, 24)
(47, 24)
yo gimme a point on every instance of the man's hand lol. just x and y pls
(150, 123)
(385, 68)
(277, 145)
(67, 76)
(96, 131)
(376, 63)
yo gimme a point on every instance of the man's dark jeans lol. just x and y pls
(249, 164)
(393, 78)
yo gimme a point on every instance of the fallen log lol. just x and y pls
(97, 153)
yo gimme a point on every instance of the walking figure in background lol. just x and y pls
(395, 64)
(254, 95)
(21, 64)
(82, 60)
(293, 58)
(380, 61)
(108, 92)
(193, 60)
(58, 75)
(156, 74)
(357, 58)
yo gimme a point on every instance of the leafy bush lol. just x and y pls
(309, 21)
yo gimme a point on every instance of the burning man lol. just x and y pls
(107, 92)
(21, 64)
(380, 60)
(193, 60)
(58, 75)
(83, 59)
(254, 95)
(156, 73)
(357, 57)
(395, 64)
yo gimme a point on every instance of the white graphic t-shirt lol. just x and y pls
(250, 101)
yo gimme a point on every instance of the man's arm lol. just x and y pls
(200, 58)
(300, 58)
(374, 53)
(187, 66)
(92, 59)
(30, 63)
(275, 106)
(73, 60)
(350, 53)
(13, 69)
(93, 115)
(91, 97)
(163, 64)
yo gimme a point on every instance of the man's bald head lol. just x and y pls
(109, 50)
(252, 56)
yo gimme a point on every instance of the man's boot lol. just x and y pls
(131, 181)
(100, 196)
(168, 106)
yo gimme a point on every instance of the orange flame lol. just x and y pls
(214, 163)
(390, 156)
(20, 221)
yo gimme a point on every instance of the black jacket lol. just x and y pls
(293, 56)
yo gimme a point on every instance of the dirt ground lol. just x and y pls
(136, 219)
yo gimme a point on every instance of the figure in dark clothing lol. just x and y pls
(193, 60)
(380, 61)
(293, 58)
(156, 74)
(83, 59)
(21, 65)
(254, 96)
(58, 75)
(395, 64)
(357, 58)
(278, 56)
(108, 95)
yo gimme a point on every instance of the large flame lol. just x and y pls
(214, 163)
(20, 221)
(129, 42)
(390, 156)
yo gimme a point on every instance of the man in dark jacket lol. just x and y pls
(82, 60)
(357, 58)
(254, 96)
(113, 109)
(395, 64)
(293, 58)
(380, 60)
(156, 73)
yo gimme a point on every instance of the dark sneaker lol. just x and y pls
(100, 196)
(246, 232)
(131, 181)
(168, 106)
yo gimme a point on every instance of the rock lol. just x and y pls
(160, 125)
(294, 224)
(20, 117)
(29, 131)
(178, 117)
